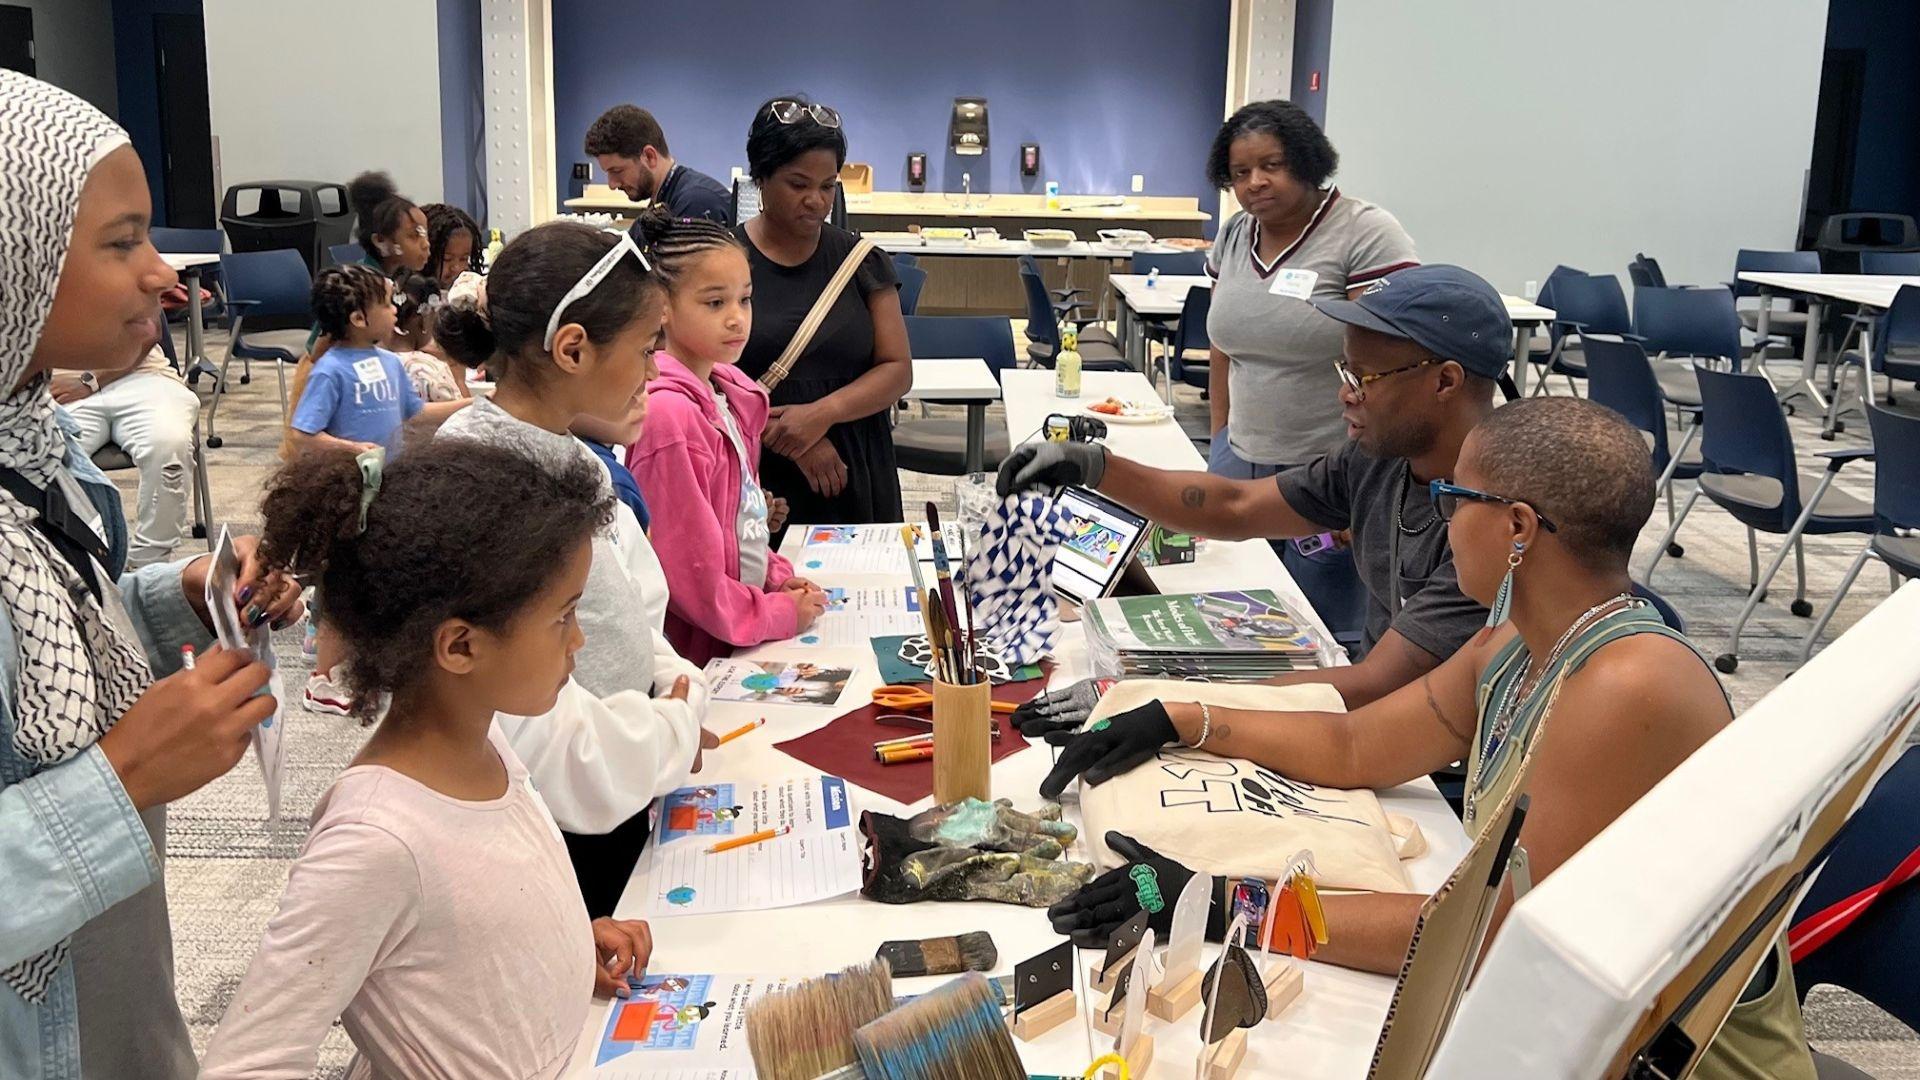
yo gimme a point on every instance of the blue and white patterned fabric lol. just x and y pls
(1010, 574)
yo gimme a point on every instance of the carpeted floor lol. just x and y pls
(227, 865)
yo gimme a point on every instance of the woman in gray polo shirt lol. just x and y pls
(1273, 390)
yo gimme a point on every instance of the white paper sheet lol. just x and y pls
(681, 1027)
(856, 616)
(776, 682)
(268, 748)
(866, 549)
(818, 860)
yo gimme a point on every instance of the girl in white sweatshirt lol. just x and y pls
(566, 323)
(432, 909)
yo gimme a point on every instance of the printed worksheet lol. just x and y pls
(775, 682)
(866, 549)
(268, 749)
(723, 809)
(857, 616)
(819, 861)
(681, 1027)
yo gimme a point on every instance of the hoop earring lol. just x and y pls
(1503, 600)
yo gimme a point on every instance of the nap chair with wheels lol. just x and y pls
(912, 280)
(1098, 349)
(1783, 323)
(1620, 377)
(1752, 473)
(1185, 335)
(1583, 304)
(1896, 508)
(1066, 303)
(1680, 326)
(1540, 348)
(1644, 271)
(1893, 350)
(1173, 262)
(195, 242)
(111, 458)
(936, 444)
(263, 285)
(1899, 263)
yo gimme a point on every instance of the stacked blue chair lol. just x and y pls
(939, 445)
(1099, 351)
(1620, 377)
(1187, 333)
(1583, 304)
(1893, 352)
(1171, 262)
(1688, 326)
(1753, 474)
(1783, 323)
(912, 280)
(261, 285)
(1896, 510)
(1897, 263)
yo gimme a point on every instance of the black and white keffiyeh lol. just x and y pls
(77, 673)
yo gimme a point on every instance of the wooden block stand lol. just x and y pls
(1044, 1017)
(1172, 999)
(1283, 986)
(1223, 1060)
(1138, 1059)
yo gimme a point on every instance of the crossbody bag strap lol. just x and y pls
(811, 324)
(62, 525)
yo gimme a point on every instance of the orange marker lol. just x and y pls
(739, 731)
(912, 753)
(750, 838)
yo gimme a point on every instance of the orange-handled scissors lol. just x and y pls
(912, 697)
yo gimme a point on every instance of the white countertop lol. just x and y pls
(1078, 249)
(1871, 290)
(953, 380)
(1329, 1032)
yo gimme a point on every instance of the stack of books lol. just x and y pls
(1221, 636)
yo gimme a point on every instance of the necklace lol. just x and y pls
(1399, 505)
(1520, 690)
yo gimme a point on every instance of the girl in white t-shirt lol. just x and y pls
(432, 909)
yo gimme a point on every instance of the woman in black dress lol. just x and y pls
(829, 439)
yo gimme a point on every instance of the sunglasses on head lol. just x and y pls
(592, 279)
(1447, 497)
(789, 111)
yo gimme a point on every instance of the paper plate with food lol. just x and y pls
(1119, 411)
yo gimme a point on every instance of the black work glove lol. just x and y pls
(1091, 915)
(1059, 710)
(1109, 748)
(1035, 466)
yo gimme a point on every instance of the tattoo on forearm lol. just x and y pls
(1193, 497)
(1433, 703)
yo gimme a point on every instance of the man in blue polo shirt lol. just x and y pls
(632, 150)
(1424, 346)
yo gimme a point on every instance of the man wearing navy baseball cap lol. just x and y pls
(1424, 348)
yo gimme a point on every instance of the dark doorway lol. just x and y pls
(16, 39)
(1836, 138)
(186, 127)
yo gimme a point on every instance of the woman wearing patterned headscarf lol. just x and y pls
(91, 746)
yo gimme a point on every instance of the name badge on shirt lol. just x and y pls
(370, 370)
(1295, 283)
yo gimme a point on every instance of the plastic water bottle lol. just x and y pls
(1153, 278)
(1053, 194)
(1066, 366)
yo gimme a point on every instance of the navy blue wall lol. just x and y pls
(1889, 141)
(138, 74)
(1312, 51)
(1107, 89)
(463, 173)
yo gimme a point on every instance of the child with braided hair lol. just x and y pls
(698, 458)
(453, 243)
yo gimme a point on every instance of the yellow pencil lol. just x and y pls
(750, 838)
(739, 731)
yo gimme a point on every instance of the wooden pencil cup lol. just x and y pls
(962, 741)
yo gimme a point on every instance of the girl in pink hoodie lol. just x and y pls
(698, 458)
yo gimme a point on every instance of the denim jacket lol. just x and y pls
(71, 843)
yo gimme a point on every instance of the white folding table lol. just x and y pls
(968, 381)
(188, 265)
(1329, 1032)
(1875, 291)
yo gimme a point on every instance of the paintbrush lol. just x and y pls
(806, 1032)
(972, 951)
(966, 595)
(943, 572)
(952, 1033)
(913, 557)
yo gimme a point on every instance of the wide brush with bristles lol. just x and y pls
(952, 1033)
(806, 1032)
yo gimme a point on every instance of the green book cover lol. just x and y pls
(1213, 622)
